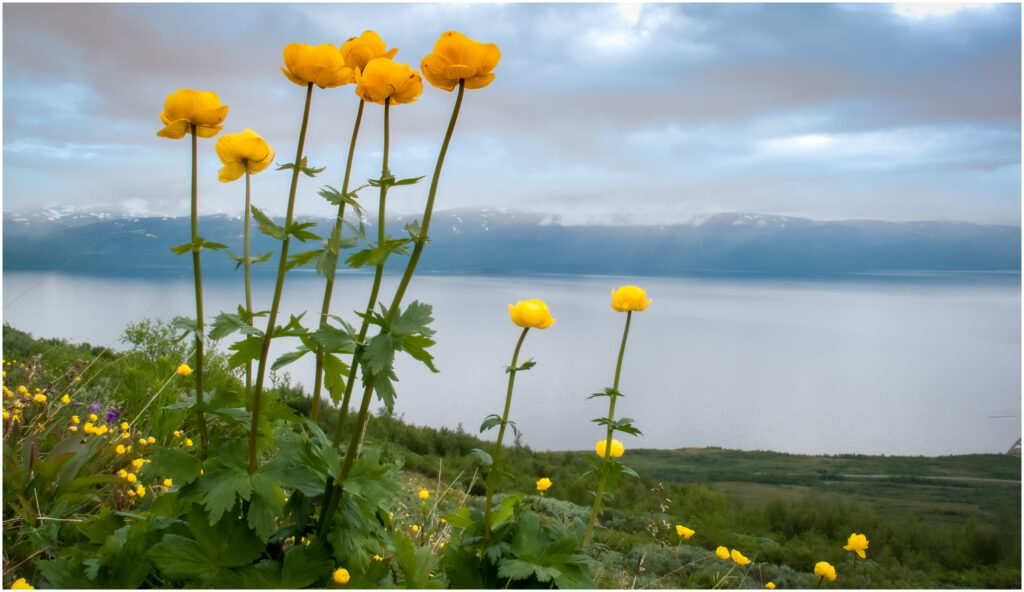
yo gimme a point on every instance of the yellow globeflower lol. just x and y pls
(857, 543)
(125, 426)
(40, 398)
(629, 298)
(617, 448)
(120, 449)
(241, 150)
(415, 527)
(87, 428)
(531, 314)
(6, 415)
(122, 474)
(168, 483)
(23, 390)
(137, 463)
(21, 584)
(321, 65)
(825, 570)
(186, 107)
(377, 557)
(684, 532)
(543, 484)
(457, 57)
(770, 585)
(383, 79)
(722, 553)
(65, 399)
(739, 558)
(132, 478)
(93, 417)
(151, 440)
(75, 420)
(140, 491)
(188, 442)
(358, 51)
(341, 576)
(184, 370)
(424, 494)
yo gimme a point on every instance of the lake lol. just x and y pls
(870, 366)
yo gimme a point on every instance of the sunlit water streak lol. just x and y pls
(809, 367)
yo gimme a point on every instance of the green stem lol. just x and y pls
(326, 307)
(248, 276)
(501, 434)
(362, 417)
(199, 294)
(608, 439)
(278, 288)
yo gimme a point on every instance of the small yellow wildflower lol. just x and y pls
(66, 400)
(22, 389)
(140, 491)
(122, 474)
(40, 398)
(21, 584)
(617, 448)
(377, 558)
(825, 570)
(87, 428)
(722, 553)
(124, 426)
(684, 532)
(770, 585)
(857, 543)
(126, 435)
(168, 483)
(424, 494)
(7, 415)
(75, 420)
(151, 440)
(131, 493)
(142, 442)
(543, 484)
(415, 527)
(78, 379)
(101, 430)
(184, 370)
(92, 417)
(120, 449)
(132, 478)
(177, 433)
(188, 442)
(137, 463)
(738, 558)
(73, 429)
(341, 576)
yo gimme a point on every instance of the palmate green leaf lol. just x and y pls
(258, 258)
(608, 392)
(336, 340)
(379, 354)
(490, 421)
(266, 225)
(185, 325)
(303, 166)
(225, 324)
(289, 357)
(335, 373)
(200, 243)
(227, 542)
(414, 562)
(385, 388)
(414, 319)
(294, 328)
(180, 557)
(624, 424)
(481, 457)
(389, 180)
(377, 255)
(265, 505)
(221, 487)
(416, 346)
(298, 230)
(245, 350)
(335, 197)
(305, 565)
(178, 465)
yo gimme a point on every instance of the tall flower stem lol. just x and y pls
(608, 439)
(501, 434)
(364, 407)
(278, 288)
(329, 289)
(248, 272)
(199, 293)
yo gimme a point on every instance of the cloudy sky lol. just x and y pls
(599, 112)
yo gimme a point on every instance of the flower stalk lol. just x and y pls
(329, 289)
(278, 288)
(501, 434)
(247, 272)
(608, 439)
(363, 414)
(199, 293)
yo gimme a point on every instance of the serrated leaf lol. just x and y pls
(414, 319)
(245, 350)
(227, 542)
(334, 339)
(266, 225)
(335, 373)
(294, 328)
(379, 353)
(377, 255)
(221, 489)
(460, 519)
(186, 325)
(180, 557)
(303, 166)
(489, 422)
(608, 392)
(289, 357)
(264, 506)
(225, 324)
(182, 248)
(213, 246)
(416, 346)
(298, 230)
(177, 465)
(482, 457)
(304, 566)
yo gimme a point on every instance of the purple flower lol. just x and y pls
(94, 407)
(112, 416)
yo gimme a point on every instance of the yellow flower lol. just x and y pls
(22, 389)
(184, 370)
(857, 543)
(321, 65)
(131, 493)
(629, 298)
(132, 478)
(383, 79)
(125, 426)
(137, 463)
(21, 584)
(531, 314)
(415, 527)
(122, 474)
(168, 482)
(140, 491)
(142, 441)
(101, 430)
(75, 420)
(65, 399)
(684, 532)
(177, 433)
(424, 494)
(543, 484)
(825, 570)
(341, 576)
(188, 442)
(70, 429)
(92, 417)
(79, 378)
(617, 448)
(240, 151)
(40, 398)
(125, 435)
(151, 440)
(456, 57)
(7, 415)
(358, 51)
(770, 585)
(377, 557)
(120, 449)
(739, 558)
(722, 553)
(185, 107)
(87, 428)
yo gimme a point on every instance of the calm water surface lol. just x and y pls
(806, 367)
